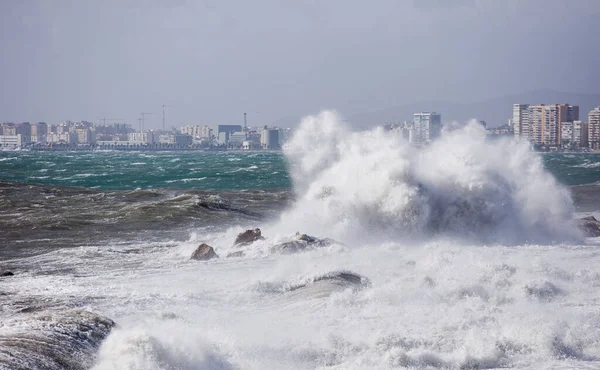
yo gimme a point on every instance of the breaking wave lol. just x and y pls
(374, 185)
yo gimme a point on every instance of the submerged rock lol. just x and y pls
(248, 237)
(204, 252)
(545, 291)
(53, 340)
(235, 254)
(590, 226)
(325, 285)
(302, 243)
(7, 273)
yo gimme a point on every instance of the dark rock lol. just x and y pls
(7, 273)
(236, 254)
(545, 291)
(590, 226)
(204, 252)
(53, 340)
(302, 243)
(248, 237)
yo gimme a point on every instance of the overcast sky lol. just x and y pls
(212, 60)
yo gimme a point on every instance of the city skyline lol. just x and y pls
(279, 62)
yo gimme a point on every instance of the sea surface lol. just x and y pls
(462, 255)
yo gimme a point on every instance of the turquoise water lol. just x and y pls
(204, 170)
(132, 170)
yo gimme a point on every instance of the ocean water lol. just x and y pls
(463, 255)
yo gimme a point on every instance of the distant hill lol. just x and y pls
(495, 112)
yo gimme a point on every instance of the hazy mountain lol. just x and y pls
(494, 111)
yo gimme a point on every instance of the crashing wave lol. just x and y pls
(373, 184)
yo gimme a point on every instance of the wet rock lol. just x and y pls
(7, 273)
(544, 292)
(236, 254)
(53, 340)
(302, 243)
(248, 237)
(204, 252)
(590, 226)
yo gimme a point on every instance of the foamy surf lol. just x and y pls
(373, 185)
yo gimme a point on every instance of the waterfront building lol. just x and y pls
(11, 141)
(197, 132)
(225, 131)
(580, 133)
(142, 138)
(574, 134)
(180, 140)
(520, 122)
(544, 122)
(236, 139)
(62, 138)
(427, 126)
(567, 134)
(39, 129)
(594, 128)
(269, 138)
(9, 129)
(535, 123)
(84, 135)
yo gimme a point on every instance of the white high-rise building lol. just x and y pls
(594, 128)
(519, 121)
(427, 126)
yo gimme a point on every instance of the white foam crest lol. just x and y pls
(158, 347)
(374, 184)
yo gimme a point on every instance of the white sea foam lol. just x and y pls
(357, 184)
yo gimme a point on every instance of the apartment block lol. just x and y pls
(519, 121)
(594, 128)
(427, 126)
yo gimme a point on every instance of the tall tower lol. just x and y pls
(594, 128)
(520, 122)
(427, 127)
(245, 123)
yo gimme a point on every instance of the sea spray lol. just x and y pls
(374, 185)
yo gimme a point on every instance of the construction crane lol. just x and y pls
(142, 121)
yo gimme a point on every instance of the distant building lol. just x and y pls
(62, 138)
(574, 134)
(594, 128)
(24, 129)
(427, 126)
(270, 138)
(236, 139)
(9, 129)
(542, 124)
(180, 140)
(11, 141)
(520, 121)
(142, 138)
(224, 132)
(84, 136)
(39, 129)
(198, 132)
